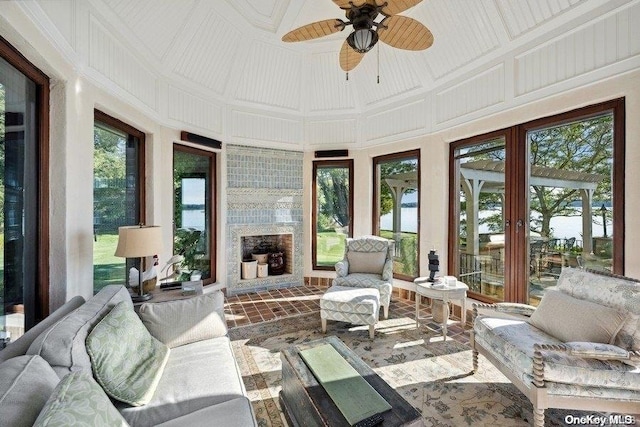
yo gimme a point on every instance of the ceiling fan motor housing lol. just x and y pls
(363, 38)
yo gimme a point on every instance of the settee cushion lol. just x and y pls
(63, 344)
(232, 413)
(366, 262)
(78, 400)
(511, 341)
(613, 291)
(181, 322)
(196, 376)
(27, 382)
(571, 319)
(127, 361)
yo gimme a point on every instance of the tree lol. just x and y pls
(109, 169)
(333, 186)
(386, 170)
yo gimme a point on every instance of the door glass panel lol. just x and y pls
(481, 225)
(18, 202)
(570, 200)
(193, 183)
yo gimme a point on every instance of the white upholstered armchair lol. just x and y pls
(368, 263)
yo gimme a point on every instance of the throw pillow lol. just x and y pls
(27, 382)
(126, 360)
(78, 400)
(366, 262)
(571, 319)
(185, 321)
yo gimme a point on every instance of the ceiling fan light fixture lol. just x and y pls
(362, 40)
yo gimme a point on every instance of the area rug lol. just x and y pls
(433, 375)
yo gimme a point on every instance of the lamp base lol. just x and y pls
(141, 298)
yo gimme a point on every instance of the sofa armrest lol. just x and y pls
(342, 268)
(510, 308)
(387, 270)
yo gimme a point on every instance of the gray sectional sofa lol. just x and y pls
(88, 358)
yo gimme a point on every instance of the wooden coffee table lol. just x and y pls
(305, 402)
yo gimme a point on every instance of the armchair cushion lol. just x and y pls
(572, 319)
(181, 322)
(366, 262)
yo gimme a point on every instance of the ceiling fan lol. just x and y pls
(398, 31)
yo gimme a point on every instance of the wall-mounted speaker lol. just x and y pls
(199, 139)
(321, 154)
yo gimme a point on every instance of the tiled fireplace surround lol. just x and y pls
(264, 198)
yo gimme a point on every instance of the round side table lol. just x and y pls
(439, 291)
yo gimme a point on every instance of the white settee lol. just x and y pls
(198, 381)
(579, 349)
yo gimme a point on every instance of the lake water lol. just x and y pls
(562, 226)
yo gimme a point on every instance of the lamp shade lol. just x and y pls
(138, 241)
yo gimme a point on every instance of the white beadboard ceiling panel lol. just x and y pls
(271, 77)
(208, 57)
(156, 22)
(328, 88)
(520, 16)
(397, 74)
(188, 108)
(117, 63)
(265, 14)
(331, 131)
(63, 16)
(406, 118)
(604, 42)
(462, 31)
(259, 127)
(484, 90)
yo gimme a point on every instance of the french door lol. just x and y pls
(532, 199)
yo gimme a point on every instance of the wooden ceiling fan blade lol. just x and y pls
(394, 7)
(314, 30)
(346, 4)
(349, 58)
(403, 32)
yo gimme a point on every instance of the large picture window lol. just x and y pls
(538, 197)
(396, 209)
(194, 211)
(24, 203)
(118, 194)
(332, 211)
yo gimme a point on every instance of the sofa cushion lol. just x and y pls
(197, 375)
(63, 344)
(27, 382)
(181, 322)
(233, 413)
(512, 341)
(127, 361)
(612, 291)
(366, 262)
(78, 400)
(571, 319)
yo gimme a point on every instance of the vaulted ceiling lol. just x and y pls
(219, 67)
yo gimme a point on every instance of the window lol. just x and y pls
(396, 208)
(24, 203)
(538, 197)
(118, 195)
(194, 211)
(332, 211)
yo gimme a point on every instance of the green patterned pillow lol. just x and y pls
(78, 400)
(126, 360)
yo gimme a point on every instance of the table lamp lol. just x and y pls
(139, 241)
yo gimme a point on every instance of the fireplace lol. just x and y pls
(266, 245)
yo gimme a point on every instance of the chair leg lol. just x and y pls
(474, 356)
(371, 331)
(324, 326)
(386, 311)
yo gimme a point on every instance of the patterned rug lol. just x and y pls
(431, 374)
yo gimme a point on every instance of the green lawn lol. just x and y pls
(107, 268)
(330, 248)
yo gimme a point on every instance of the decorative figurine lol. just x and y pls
(433, 265)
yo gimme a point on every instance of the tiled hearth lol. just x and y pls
(264, 198)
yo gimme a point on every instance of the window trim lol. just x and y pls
(317, 164)
(41, 80)
(214, 204)
(375, 217)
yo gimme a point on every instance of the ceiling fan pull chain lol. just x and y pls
(378, 64)
(347, 76)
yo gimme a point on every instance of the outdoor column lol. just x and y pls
(587, 221)
(471, 188)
